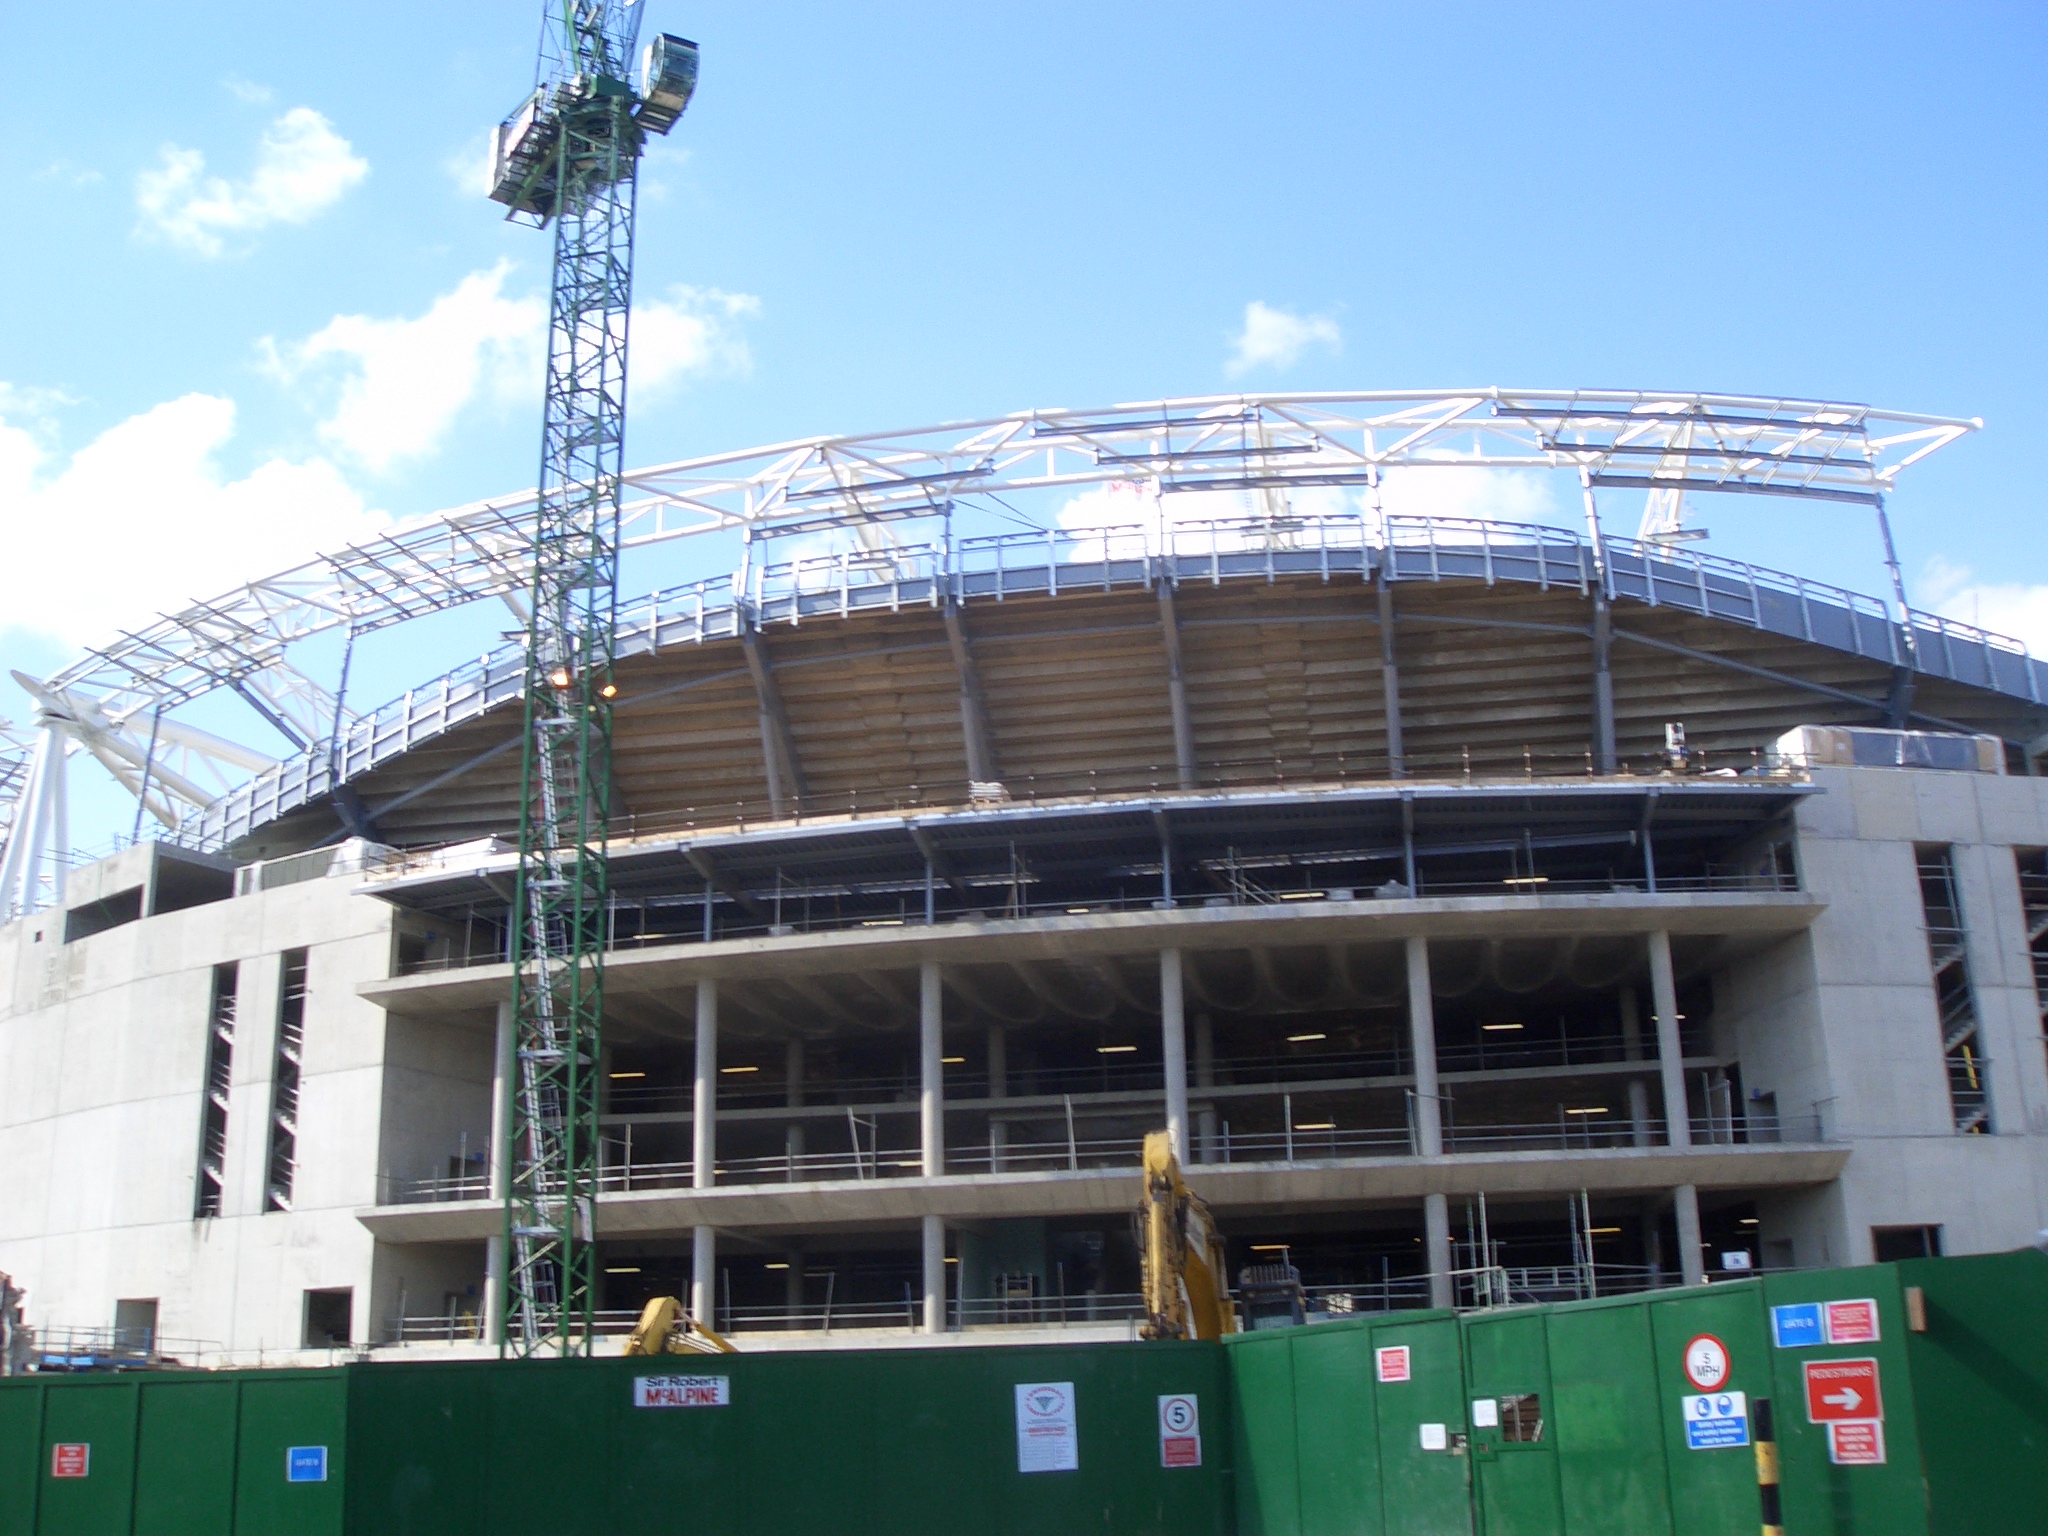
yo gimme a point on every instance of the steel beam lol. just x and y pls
(974, 722)
(1177, 689)
(779, 756)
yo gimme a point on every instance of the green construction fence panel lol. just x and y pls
(21, 1438)
(1612, 1477)
(1709, 1349)
(1980, 1389)
(291, 1454)
(185, 1455)
(1419, 1396)
(1336, 1430)
(1512, 1411)
(87, 1471)
(1264, 1453)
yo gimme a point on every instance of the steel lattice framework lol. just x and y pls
(584, 181)
(1274, 448)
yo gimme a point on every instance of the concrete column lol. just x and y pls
(931, 1092)
(934, 1274)
(1632, 1049)
(1429, 1110)
(1429, 1118)
(1436, 1242)
(793, 1076)
(793, 1283)
(998, 1088)
(1670, 1054)
(1677, 1115)
(504, 1061)
(704, 1099)
(1173, 1040)
(1390, 682)
(703, 1273)
(1205, 1077)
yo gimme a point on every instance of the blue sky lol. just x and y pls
(256, 304)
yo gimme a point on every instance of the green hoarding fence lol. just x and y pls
(1633, 1416)
(1630, 1416)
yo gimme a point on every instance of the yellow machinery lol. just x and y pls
(666, 1329)
(1187, 1293)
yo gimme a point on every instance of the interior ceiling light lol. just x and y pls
(1318, 1125)
(1747, 1221)
(1526, 880)
(617, 1075)
(952, 1061)
(1303, 895)
(1299, 1039)
(1273, 1247)
(1598, 1109)
(1500, 1026)
(622, 1269)
(1113, 1050)
(1079, 911)
(730, 1070)
(1603, 1231)
(775, 1266)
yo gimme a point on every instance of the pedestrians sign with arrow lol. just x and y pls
(1841, 1391)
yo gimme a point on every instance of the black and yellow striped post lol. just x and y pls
(1767, 1468)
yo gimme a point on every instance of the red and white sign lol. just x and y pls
(1180, 1431)
(70, 1460)
(1852, 1322)
(1856, 1445)
(1841, 1390)
(1393, 1362)
(1706, 1362)
(682, 1391)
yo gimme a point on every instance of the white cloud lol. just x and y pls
(693, 331)
(1274, 338)
(143, 519)
(302, 167)
(470, 166)
(404, 381)
(2015, 608)
(248, 90)
(1468, 490)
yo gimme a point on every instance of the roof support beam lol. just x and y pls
(701, 862)
(1177, 689)
(778, 743)
(974, 726)
(1390, 679)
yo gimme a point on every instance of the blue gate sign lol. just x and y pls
(1796, 1325)
(306, 1464)
(1715, 1419)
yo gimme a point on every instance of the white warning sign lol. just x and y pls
(1180, 1431)
(1047, 1440)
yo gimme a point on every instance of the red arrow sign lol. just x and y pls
(1841, 1390)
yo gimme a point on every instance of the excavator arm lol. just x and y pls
(1187, 1294)
(666, 1329)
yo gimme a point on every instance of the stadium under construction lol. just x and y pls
(1490, 910)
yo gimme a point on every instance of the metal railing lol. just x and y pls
(1053, 561)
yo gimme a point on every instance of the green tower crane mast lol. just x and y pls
(568, 156)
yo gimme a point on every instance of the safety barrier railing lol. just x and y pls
(1052, 561)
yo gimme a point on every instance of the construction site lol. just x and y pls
(1531, 951)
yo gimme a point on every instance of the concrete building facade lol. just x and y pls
(1454, 974)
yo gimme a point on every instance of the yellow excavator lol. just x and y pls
(1187, 1291)
(666, 1329)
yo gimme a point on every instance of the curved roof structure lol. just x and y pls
(1280, 456)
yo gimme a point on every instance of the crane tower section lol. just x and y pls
(568, 156)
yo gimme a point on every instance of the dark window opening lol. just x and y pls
(98, 916)
(1955, 999)
(1889, 1244)
(330, 1318)
(284, 1089)
(213, 1110)
(1521, 1418)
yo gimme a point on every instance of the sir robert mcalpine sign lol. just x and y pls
(682, 1391)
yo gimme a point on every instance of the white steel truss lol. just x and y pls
(1266, 445)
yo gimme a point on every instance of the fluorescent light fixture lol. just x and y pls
(951, 1260)
(1079, 911)
(1304, 895)
(617, 1076)
(1526, 880)
(1269, 1247)
(775, 1266)
(1603, 1231)
(1300, 1039)
(1500, 1026)
(1113, 1050)
(1598, 1109)
(622, 1269)
(729, 1071)
(1747, 1221)
(952, 1061)
(883, 922)
(1318, 1125)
